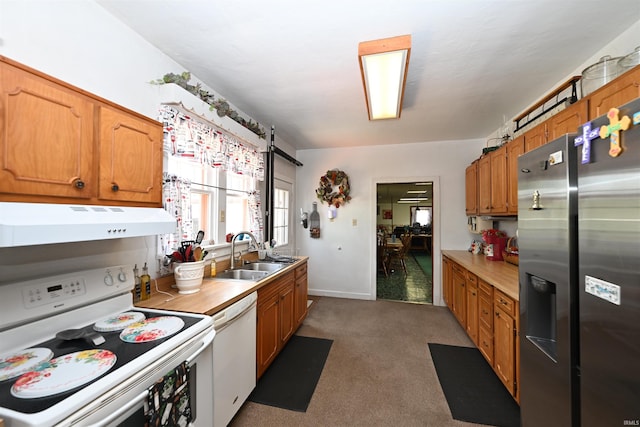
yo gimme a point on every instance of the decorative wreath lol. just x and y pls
(328, 182)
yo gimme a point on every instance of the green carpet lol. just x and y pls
(415, 286)
(424, 261)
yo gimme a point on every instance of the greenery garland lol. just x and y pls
(326, 193)
(220, 105)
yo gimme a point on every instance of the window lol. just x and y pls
(238, 216)
(203, 197)
(281, 217)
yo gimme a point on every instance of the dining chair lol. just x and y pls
(383, 257)
(397, 257)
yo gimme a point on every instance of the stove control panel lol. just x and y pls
(32, 299)
(53, 292)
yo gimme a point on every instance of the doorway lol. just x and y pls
(405, 214)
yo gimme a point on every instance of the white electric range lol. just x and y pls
(75, 351)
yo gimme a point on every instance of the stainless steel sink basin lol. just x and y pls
(263, 266)
(243, 274)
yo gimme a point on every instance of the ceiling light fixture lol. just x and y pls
(384, 64)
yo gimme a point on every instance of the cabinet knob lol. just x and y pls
(79, 184)
(115, 187)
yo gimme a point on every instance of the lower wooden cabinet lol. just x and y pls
(275, 320)
(301, 294)
(282, 307)
(471, 305)
(490, 318)
(447, 282)
(459, 294)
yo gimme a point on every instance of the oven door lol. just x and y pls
(124, 404)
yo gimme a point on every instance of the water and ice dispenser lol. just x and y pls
(541, 309)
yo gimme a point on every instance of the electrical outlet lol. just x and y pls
(223, 215)
(354, 222)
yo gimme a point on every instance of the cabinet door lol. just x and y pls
(300, 307)
(447, 279)
(484, 185)
(46, 137)
(499, 180)
(515, 148)
(471, 188)
(568, 120)
(504, 348)
(286, 310)
(618, 92)
(267, 330)
(485, 344)
(536, 137)
(472, 313)
(130, 158)
(459, 294)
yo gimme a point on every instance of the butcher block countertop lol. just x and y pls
(500, 274)
(214, 295)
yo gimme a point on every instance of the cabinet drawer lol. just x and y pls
(458, 269)
(485, 345)
(472, 279)
(485, 289)
(486, 313)
(505, 303)
(301, 271)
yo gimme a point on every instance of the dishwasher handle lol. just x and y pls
(228, 315)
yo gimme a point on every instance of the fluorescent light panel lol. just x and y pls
(383, 64)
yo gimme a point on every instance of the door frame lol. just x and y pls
(435, 231)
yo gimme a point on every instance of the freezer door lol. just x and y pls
(548, 246)
(609, 279)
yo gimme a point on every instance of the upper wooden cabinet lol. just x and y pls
(130, 158)
(514, 149)
(567, 120)
(499, 178)
(492, 183)
(59, 144)
(46, 136)
(535, 137)
(484, 185)
(471, 188)
(614, 94)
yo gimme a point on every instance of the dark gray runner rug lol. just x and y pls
(472, 389)
(291, 379)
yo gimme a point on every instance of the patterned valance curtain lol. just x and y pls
(204, 143)
(176, 196)
(255, 213)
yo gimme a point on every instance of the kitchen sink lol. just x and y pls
(243, 274)
(263, 266)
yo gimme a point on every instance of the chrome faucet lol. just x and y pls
(233, 246)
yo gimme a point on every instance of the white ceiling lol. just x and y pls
(293, 64)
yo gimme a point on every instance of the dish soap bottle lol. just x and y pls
(213, 266)
(145, 283)
(137, 290)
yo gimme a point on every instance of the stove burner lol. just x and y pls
(15, 364)
(152, 329)
(76, 334)
(63, 373)
(118, 321)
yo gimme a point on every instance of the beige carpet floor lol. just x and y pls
(379, 371)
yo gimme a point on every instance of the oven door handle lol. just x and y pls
(132, 403)
(206, 341)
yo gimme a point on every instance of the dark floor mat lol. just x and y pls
(291, 379)
(472, 389)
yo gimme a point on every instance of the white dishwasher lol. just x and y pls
(234, 358)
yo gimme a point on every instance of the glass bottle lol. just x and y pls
(314, 222)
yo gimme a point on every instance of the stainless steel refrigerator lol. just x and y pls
(579, 243)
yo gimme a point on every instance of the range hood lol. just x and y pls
(26, 224)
